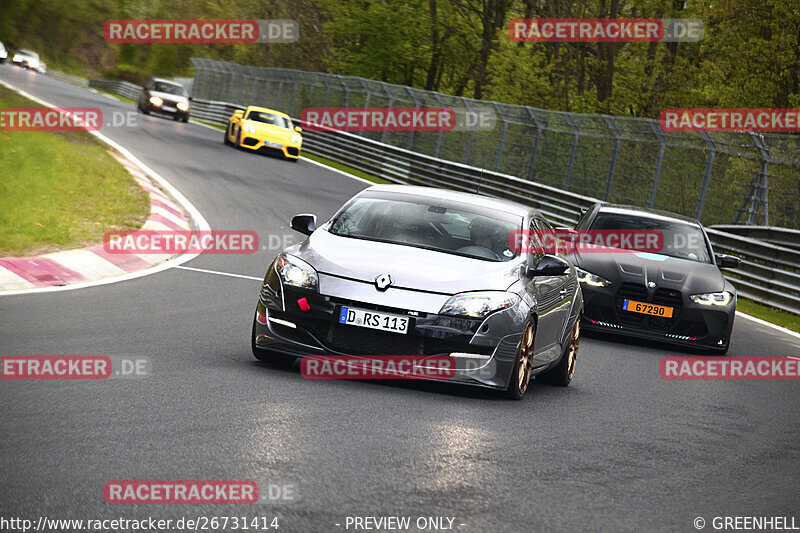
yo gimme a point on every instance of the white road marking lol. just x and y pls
(217, 272)
(769, 324)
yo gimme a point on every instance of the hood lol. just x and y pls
(169, 97)
(409, 267)
(273, 131)
(685, 275)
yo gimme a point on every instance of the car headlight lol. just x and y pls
(296, 272)
(478, 304)
(16, 59)
(33, 64)
(183, 106)
(156, 101)
(590, 279)
(712, 298)
(249, 128)
(297, 139)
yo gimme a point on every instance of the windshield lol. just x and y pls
(169, 88)
(682, 240)
(270, 118)
(424, 223)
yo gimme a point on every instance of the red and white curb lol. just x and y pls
(93, 262)
(93, 266)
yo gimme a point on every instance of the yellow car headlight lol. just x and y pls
(183, 106)
(297, 139)
(156, 101)
(249, 128)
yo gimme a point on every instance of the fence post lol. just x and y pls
(468, 146)
(613, 166)
(502, 141)
(410, 142)
(706, 175)
(659, 161)
(532, 161)
(573, 149)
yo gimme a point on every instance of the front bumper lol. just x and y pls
(692, 325)
(484, 350)
(270, 146)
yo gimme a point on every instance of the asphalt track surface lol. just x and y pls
(620, 450)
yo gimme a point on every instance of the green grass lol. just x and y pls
(61, 190)
(770, 314)
(118, 96)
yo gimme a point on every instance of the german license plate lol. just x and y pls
(647, 309)
(373, 320)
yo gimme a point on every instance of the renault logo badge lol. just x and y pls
(383, 282)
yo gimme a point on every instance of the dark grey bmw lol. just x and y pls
(403, 270)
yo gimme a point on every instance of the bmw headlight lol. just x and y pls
(478, 304)
(183, 106)
(156, 101)
(590, 279)
(249, 128)
(296, 272)
(297, 139)
(712, 298)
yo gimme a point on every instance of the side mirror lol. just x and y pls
(298, 129)
(238, 113)
(549, 265)
(728, 261)
(305, 223)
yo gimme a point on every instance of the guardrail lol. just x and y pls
(769, 273)
(789, 238)
(75, 80)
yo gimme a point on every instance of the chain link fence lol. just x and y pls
(719, 178)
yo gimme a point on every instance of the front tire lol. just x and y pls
(521, 375)
(226, 139)
(561, 374)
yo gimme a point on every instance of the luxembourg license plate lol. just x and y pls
(272, 144)
(373, 320)
(647, 309)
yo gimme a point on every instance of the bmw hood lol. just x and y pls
(689, 276)
(409, 267)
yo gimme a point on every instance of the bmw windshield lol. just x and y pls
(679, 239)
(462, 229)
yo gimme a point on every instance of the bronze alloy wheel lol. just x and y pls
(572, 354)
(519, 383)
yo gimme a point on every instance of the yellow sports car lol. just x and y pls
(264, 130)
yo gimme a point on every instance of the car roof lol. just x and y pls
(267, 110)
(646, 212)
(168, 82)
(465, 197)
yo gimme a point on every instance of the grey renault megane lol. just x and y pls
(433, 274)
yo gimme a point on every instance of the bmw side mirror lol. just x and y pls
(305, 223)
(549, 265)
(728, 261)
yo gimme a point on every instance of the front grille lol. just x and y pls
(292, 150)
(630, 291)
(670, 298)
(690, 328)
(249, 141)
(362, 341)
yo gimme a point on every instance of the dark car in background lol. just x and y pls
(675, 294)
(165, 97)
(436, 269)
